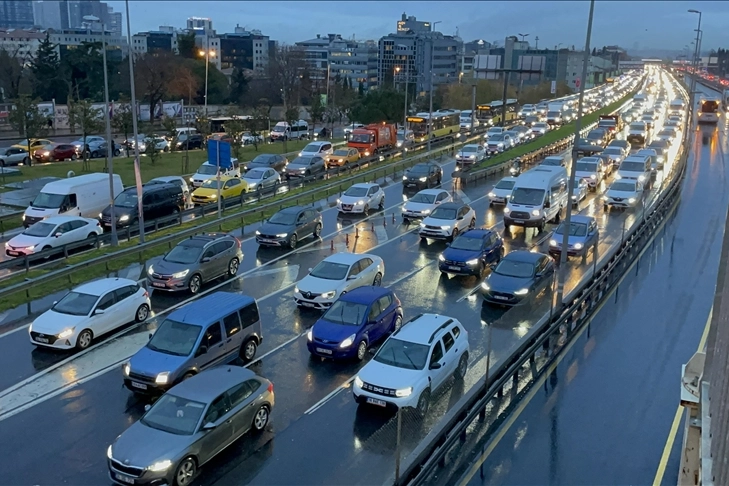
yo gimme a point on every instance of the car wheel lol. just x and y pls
(366, 209)
(292, 241)
(361, 350)
(307, 173)
(92, 238)
(378, 280)
(460, 372)
(233, 267)
(73, 157)
(84, 339)
(187, 376)
(185, 472)
(472, 224)
(117, 152)
(317, 230)
(26, 161)
(94, 154)
(195, 284)
(142, 313)
(397, 324)
(382, 203)
(454, 234)
(260, 420)
(248, 350)
(424, 403)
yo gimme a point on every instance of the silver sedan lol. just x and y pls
(261, 178)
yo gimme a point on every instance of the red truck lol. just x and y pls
(373, 138)
(612, 123)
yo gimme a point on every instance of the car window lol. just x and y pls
(72, 200)
(233, 182)
(456, 331)
(375, 311)
(442, 196)
(125, 292)
(365, 263)
(231, 323)
(448, 341)
(437, 353)
(311, 214)
(78, 224)
(217, 409)
(209, 252)
(213, 335)
(355, 269)
(63, 228)
(239, 393)
(106, 301)
(222, 246)
(384, 302)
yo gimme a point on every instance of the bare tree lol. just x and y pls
(287, 68)
(154, 75)
(90, 121)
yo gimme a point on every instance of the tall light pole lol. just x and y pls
(109, 141)
(695, 64)
(523, 36)
(556, 69)
(573, 166)
(135, 129)
(432, 86)
(207, 53)
(407, 79)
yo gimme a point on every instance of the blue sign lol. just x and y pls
(219, 154)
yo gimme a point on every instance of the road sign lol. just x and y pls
(553, 90)
(219, 153)
(577, 83)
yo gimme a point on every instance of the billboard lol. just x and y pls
(484, 66)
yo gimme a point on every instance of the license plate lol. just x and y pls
(374, 401)
(500, 297)
(453, 268)
(307, 304)
(13, 253)
(42, 340)
(158, 284)
(123, 478)
(141, 386)
(323, 351)
(519, 221)
(267, 241)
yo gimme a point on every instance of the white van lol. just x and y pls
(636, 167)
(185, 131)
(208, 170)
(296, 131)
(85, 195)
(539, 195)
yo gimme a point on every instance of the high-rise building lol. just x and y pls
(244, 49)
(334, 57)
(114, 21)
(22, 44)
(17, 14)
(162, 40)
(67, 39)
(47, 14)
(203, 24)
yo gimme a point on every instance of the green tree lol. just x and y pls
(259, 123)
(151, 151)
(186, 45)
(123, 122)
(11, 75)
(169, 125)
(84, 68)
(89, 120)
(378, 106)
(235, 128)
(46, 69)
(316, 111)
(153, 77)
(28, 120)
(238, 87)
(218, 85)
(202, 125)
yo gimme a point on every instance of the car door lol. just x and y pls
(353, 276)
(480, 153)
(386, 315)
(217, 426)
(207, 265)
(592, 235)
(102, 318)
(219, 260)
(232, 327)
(270, 178)
(213, 344)
(368, 270)
(243, 399)
(79, 230)
(451, 353)
(63, 235)
(437, 366)
(371, 199)
(126, 305)
(372, 326)
(461, 223)
(234, 187)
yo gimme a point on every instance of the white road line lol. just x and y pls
(329, 396)
(7, 333)
(272, 271)
(462, 196)
(470, 293)
(381, 234)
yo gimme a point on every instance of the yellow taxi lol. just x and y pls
(230, 188)
(35, 144)
(342, 156)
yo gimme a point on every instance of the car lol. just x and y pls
(669, 134)
(190, 141)
(502, 191)
(592, 169)
(554, 161)
(360, 198)
(158, 201)
(579, 189)
(623, 144)
(676, 125)
(98, 149)
(520, 274)
(540, 128)
(269, 161)
(84, 143)
(196, 261)
(55, 152)
(159, 144)
(261, 178)
(225, 187)
(356, 321)
(88, 312)
(424, 174)
(209, 170)
(305, 166)
(617, 154)
(498, 143)
(471, 253)
(530, 120)
(523, 133)
(583, 236)
(190, 425)
(413, 364)
(649, 121)
(597, 136)
(176, 180)
(447, 221)
(337, 274)
(623, 193)
(470, 155)
(35, 144)
(638, 133)
(247, 138)
(493, 131)
(350, 128)
(320, 149)
(423, 203)
(288, 226)
(53, 232)
(342, 157)
(13, 156)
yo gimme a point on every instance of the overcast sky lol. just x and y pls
(630, 24)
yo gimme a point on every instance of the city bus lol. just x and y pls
(709, 111)
(444, 123)
(491, 112)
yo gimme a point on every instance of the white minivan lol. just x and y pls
(85, 195)
(636, 167)
(538, 196)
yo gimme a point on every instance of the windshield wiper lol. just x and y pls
(411, 361)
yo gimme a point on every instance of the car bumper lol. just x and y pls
(350, 208)
(272, 241)
(415, 183)
(31, 220)
(381, 401)
(500, 298)
(526, 223)
(18, 252)
(314, 302)
(147, 478)
(435, 234)
(332, 351)
(295, 174)
(414, 214)
(170, 285)
(459, 269)
(494, 150)
(571, 251)
(498, 200)
(199, 201)
(51, 341)
(621, 204)
(146, 387)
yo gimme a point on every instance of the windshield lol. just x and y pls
(208, 169)
(341, 153)
(402, 354)
(253, 174)
(419, 169)
(576, 229)
(361, 138)
(632, 166)
(279, 129)
(312, 148)
(553, 114)
(468, 149)
(262, 159)
(586, 167)
(330, 271)
(48, 201)
(552, 161)
(529, 197)
(444, 213)
(423, 198)
(623, 186)
(175, 338)
(126, 200)
(283, 218)
(467, 243)
(184, 254)
(612, 151)
(505, 185)
(76, 304)
(175, 415)
(347, 313)
(496, 138)
(356, 191)
(213, 184)
(302, 161)
(511, 268)
(40, 229)
(637, 126)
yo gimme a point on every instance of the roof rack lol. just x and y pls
(440, 328)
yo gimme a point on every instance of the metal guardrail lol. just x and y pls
(535, 354)
(5, 218)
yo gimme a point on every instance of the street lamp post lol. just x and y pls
(523, 36)
(432, 87)
(556, 68)
(405, 109)
(207, 53)
(135, 129)
(695, 63)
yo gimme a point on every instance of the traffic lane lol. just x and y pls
(623, 360)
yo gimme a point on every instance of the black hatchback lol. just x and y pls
(269, 161)
(158, 201)
(423, 175)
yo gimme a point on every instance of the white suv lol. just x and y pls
(447, 221)
(413, 363)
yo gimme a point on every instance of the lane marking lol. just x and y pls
(272, 271)
(381, 234)
(465, 199)
(330, 395)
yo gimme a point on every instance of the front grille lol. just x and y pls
(106, 219)
(519, 215)
(502, 294)
(140, 377)
(347, 207)
(427, 226)
(267, 237)
(161, 277)
(453, 263)
(324, 341)
(388, 392)
(617, 199)
(130, 470)
(309, 295)
(51, 338)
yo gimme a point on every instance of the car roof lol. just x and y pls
(319, 143)
(63, 219)
(347, 257)
(103, 285)
(204, 238)
(257, 169)
(476, 233)
(364, 184)
(420, 329)
(292, 210)
(365, 295)
(523, 256)
(452, 205)
(582, 219)
(210, 308)
(211, 383)
(507, 178)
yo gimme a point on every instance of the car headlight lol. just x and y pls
(618, 177)
(66, 333)
(181, 274)
(191, 179)
(358, 381)
(441, 257)
(150, 270)
(296, 289)
(500, 144)
(30, 248)
(348, 342)
(258, 232)
(593, 176)
(301, 153)
(160, 466)
(485, 285)
(282, 235)
(507, 210)
(101, 215)
(404, 392)
(472, 262)
(491, 194)
(578, 246)
(552, 242)
(535, 212)
(360, 203)
(329, 295)
(423, 179)
(521, 292)
(446, 227)
(422, 225)
(641, 178)
(425, 211)
(108, 452)
(127, 368)
(403, 209)
(404, 177)
(162, 378)
(631, 200)
(310, 335)
(124, 218)
(339, 201)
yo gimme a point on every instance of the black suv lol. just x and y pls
(158, 201)
(190, 142)
(269, 161)
(288, 226)
(425, 174)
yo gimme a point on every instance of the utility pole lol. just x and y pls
(135, 131)
(432, 85)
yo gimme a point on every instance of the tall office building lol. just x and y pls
(17, 14)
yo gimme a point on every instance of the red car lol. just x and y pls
(59, 151)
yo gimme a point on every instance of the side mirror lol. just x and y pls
(58, 234)
(448, 244)
(205, 260)
(437, 202)
(150, 336)
(310, 269)
(147, 407)
(435, 366)
(55, 302)
(98, 312)
(201, 350)
(351, 277)
(209, 426)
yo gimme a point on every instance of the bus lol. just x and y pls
(444, 123)
(217, 123)
(709, 111)
(490, 113)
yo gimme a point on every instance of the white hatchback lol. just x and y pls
(89, 311)
(360, 198)
(501, 192)
(625, 193)
(53, 232)
(423, 203)
(447, 221)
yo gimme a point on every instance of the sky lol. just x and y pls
(634, 25)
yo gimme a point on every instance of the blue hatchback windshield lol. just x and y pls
(576, 229)
(347, 313)
(467, 243)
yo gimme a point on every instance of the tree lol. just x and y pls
(153, 76)
(89, 120)
(123, 121)
(28, 120)
(316, 111)
(84, 68)
(11, 75)
(186, 45)
(238, 86)
(287, 67)
(378, 106)
(202, 125)
(259, 123)
(46, 69)
(235, 128)
(218, 86)
(185, 84)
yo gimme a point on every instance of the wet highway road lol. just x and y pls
(84, 419)
(603, 417)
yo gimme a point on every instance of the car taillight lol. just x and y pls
(270, 387)
(146, 294)
(238, 241)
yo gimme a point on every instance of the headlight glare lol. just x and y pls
(348, 342)
(181, 274)
(65, 333)
(310, 335)
(535, 212)
(329, 295)
(521, 292)
(162, 378)
(404, 392)
(358, 381)
(472, 262)
(127, 368)
(441, 257)
(160, 466)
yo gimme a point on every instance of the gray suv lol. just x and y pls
(288, 226)
(194, 261)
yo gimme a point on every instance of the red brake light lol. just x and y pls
(146, 294)
(270, 387)
(239, 244)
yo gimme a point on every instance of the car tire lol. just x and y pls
(377, 282)
(185, 472)
(472, 224)
(92, 238)
(317, 230)
(361, 350)
(423, 403)
(366, 209)
(381, 206)
(142, 313)
(307, 173)
(84, 339)
(186, 376)
(94, 154)
(260, 419)
(293, 240)
(73, 157)
(233, 266)
(26, 161)
(397, 324)
(460, 372)
(248, 350)
(195, 284)
(454, 234)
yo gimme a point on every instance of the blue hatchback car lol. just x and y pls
(471, 252)
(582, 237)
(354, 322)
